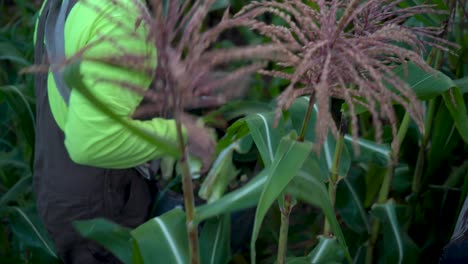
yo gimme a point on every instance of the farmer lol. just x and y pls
(86, 164)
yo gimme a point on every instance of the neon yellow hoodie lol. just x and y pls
(91, 137)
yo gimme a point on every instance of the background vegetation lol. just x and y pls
(334, 202)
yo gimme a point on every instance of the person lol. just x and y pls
(85, 162)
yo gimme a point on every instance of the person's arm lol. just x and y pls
(91, 137)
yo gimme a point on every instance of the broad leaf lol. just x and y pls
(428, 19)
(115, 238)
(327, 251)
(444, 138)
(215, 240)
(307, 187)
(350, 196)
(20, 187)
(456, 105)
(398, 247)
(426, 85)
(287, 161)
(298, 112)
(329, 153)
(236, 109)
(9, 52)
(223, 170)
(298, 260)
(163, 238)
(219, 4)
(26, 225)
(22, 108)
(368, 151)
(242, 198)
(462, 84)
(265, 135)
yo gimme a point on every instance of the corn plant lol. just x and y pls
(365, 143)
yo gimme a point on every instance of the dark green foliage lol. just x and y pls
(429, 181)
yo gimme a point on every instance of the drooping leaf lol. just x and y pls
(26, 225)
(327, 251)
(286, 163)
(456, 105)
(113, 237)
(215, 240)
(163, 238)
(398, 247)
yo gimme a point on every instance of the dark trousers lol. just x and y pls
(126, 199)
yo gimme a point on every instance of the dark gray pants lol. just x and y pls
(126, 199)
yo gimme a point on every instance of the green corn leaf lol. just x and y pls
(329, 153)
(462, 84)
(369, 151)
(22, 108)
(9, 52)
(307, 187)
(444, 138)
(298, 260)
(115, 238)
(26, 225)
(242, 198)
(426, 85)
(430, 19)
(20, 188)
(163, 238)
(350, 196)
(286, 163)
(223, 170)
(398, 247)
(265, 135)
(136, 255)
(327, 251)
(236, 109)
(215, 240)
(298, 112)
(219, 4)
(456, 106)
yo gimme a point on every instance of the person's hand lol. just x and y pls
(201, 143)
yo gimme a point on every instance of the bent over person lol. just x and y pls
(85, 163)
